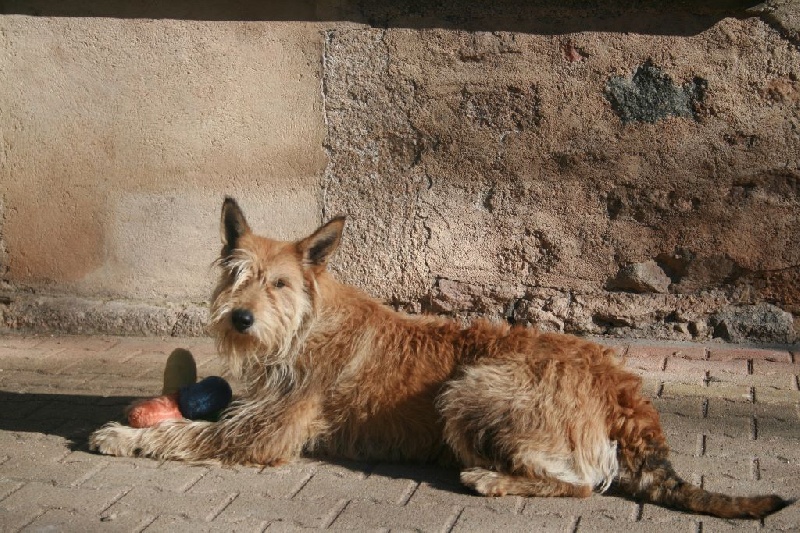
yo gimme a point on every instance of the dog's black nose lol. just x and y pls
(242, 319)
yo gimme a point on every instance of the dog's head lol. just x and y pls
(265, 297)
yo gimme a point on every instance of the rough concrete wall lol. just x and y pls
(589, 182)
(625, 168)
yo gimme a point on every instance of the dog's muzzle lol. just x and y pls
(242, 319)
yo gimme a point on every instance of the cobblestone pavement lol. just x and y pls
(732, 416)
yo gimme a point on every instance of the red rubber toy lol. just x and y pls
(150, 412)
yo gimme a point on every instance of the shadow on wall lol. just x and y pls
(656, 17)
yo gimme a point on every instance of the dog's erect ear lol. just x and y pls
(233, 224)
(318, 247)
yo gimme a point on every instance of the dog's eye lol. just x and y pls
(279, 284)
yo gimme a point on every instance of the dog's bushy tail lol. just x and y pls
(656, 482)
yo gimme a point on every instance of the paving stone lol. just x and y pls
(97, 414)
(63, 520)
(34, 447)
(722, 525)
(739, 487)
(54, 473)
(724, 408)
(686, 433)
(118, 367)
(787, 519)
(16, 519)
(743, 446)
(175, 524)
(649, 364)
(656, 514)
(375, 488)
(472, 519)
(205, 354)
(171, 476)
(785, 472)
(137, 387)
(773, 382)
(772, 396)
(44, 383)
(596, 505)
(279, 482)
(249, 507)
(281, 526)
(20, 342)
(669, 377)
(684, 443)
(730, 353)
(32, 424)
(775, 367)
(159, 502)
(699, 367)
(14, 406)
(77, 432)
(787, 427)
(732, 426)
(692, 468)
(47, 496)
(84, 456)
(604, 525)
(713, 390)
(153, 348)
(7, 486)
(428, 517)
(688, 351)
(79, 345)
(690, 407)
(31, 360)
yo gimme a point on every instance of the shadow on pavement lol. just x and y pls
(71, 416)
(75, 416)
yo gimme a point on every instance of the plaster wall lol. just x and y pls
(121, 136)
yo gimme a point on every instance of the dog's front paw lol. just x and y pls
(115, 439)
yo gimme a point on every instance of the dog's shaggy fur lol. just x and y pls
(328, 370)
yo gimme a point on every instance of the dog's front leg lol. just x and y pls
(254, 432)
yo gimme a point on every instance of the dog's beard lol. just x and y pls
(267, 351)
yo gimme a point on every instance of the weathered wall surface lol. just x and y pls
(625, 170)
(528, 176)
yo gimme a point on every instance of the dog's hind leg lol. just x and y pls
(491, 483)
(533, 428)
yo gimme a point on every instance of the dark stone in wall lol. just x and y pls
(761, 322)
(651, 95)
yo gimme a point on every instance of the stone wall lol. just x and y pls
(629, 169)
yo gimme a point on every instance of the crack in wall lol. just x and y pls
(326, 175)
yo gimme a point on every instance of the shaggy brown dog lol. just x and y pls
(329, 370)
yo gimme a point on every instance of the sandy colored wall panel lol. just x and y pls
(122, 136)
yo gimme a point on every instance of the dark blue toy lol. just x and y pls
(204, 399)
